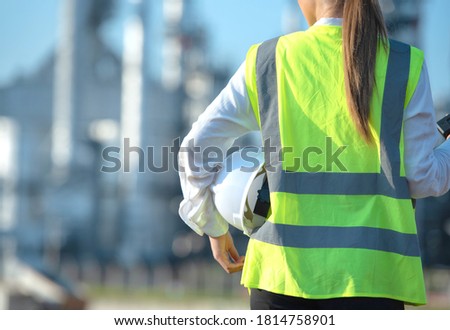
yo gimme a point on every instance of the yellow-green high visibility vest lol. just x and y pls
(342, 223)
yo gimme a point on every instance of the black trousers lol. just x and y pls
(263, 300)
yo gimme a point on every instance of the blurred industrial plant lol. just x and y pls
(64, 223)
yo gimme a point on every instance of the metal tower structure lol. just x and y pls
(8, 185)
(174, 12)
(133, 82)
(185, 70)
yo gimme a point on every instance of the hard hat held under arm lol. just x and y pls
(240, 190)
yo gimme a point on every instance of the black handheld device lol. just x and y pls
(444, 126)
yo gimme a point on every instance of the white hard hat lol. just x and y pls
(237, 187)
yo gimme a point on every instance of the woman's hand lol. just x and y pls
(225, 253)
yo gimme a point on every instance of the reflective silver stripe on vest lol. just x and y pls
(306, 237)
(266, 81)
(351, 184)
(387, 183)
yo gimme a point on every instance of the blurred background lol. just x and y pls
(79, 76)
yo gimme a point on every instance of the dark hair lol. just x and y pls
(363, 30)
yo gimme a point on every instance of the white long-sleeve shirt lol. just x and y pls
(231, 115)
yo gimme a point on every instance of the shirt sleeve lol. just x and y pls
(203, 150)
(427, 156)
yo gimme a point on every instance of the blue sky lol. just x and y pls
(29, 30)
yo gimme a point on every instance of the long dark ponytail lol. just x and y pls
(363, 28)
